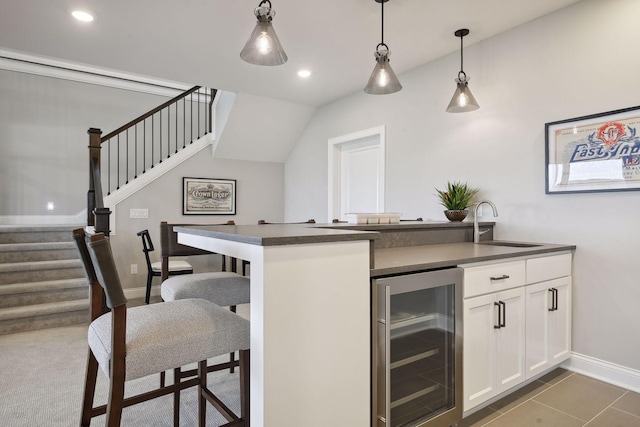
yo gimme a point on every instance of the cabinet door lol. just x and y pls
(538, 300)
(510, 339)
(548, 324)
(479, 350)
(560, 322)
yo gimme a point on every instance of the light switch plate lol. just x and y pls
(138, 213)
(134, 268)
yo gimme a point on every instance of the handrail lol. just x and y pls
(148, 114)
(134, 155)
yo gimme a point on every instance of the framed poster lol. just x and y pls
(593, 153)
(204, 196)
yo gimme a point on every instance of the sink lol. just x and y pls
(510, 244)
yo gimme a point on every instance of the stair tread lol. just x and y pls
(44, 246)
(38, 227)
(39, 265)
(43, 309)
(42, 284)
(23, 288)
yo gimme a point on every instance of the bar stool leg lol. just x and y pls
(202, 401)
(89, 390)
(176, 399)
(245, 393)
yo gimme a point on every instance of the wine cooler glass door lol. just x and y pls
(418, 334)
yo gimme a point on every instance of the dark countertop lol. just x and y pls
(416, 258)
(277, 234)
(387, 261)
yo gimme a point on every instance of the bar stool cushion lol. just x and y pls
(222, 288)
(174, 265)
(166, 335)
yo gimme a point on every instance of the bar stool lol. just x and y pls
(132, 343)
(154, 269)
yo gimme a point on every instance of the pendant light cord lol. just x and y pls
(461, 55)
(382, 24)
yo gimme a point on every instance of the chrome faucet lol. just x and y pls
(476, 229)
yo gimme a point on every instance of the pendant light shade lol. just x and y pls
(263, 46)
(463, 100)
(383, 80)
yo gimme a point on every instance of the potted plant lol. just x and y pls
(456, 198)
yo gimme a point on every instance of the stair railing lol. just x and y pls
(142, 144)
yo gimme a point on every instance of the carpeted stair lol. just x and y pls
(42, 284)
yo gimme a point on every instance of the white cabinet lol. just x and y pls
(493, 353)
(517, 323)
(548, 313)
(493, 331)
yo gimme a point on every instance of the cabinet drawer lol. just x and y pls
(547, 268)
(488, 278)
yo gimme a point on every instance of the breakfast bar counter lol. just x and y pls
(310, 327)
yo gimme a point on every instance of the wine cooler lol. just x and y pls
(418, 349)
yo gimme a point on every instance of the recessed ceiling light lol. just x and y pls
(304, 73)
(82, 16)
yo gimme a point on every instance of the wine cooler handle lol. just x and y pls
(498, 325)
(387, 356)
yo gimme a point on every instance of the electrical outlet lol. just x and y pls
(134, 268)
(138, 213)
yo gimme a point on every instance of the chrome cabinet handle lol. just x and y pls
(503, 322)
(504, 276)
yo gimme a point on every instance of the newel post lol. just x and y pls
(97, 214)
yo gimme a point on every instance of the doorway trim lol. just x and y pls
(336, 146)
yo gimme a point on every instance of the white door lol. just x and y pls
(548, 327)
(479, 353)
(356, 173)
(560, 321)
(510, 340)
(538, 302)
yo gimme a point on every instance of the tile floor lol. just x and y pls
(562, 399)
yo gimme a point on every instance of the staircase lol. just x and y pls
(42, 283)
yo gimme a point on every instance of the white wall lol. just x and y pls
(259, 196)
(43, 138)
(44, 157)
(578, 61)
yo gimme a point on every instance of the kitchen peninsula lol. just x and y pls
(311, 305)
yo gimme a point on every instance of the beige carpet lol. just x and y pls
(42, 376)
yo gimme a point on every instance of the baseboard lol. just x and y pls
(611, 373)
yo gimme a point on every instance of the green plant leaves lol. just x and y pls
(457, 196)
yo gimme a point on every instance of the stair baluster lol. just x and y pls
(96, 142)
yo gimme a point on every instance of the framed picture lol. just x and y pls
(204, 196)
(600, 152)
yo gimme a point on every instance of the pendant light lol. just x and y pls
(462, 100)
(263, 46)
(383, 80)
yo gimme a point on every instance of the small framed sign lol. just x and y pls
(205, 196)
(593, 153)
